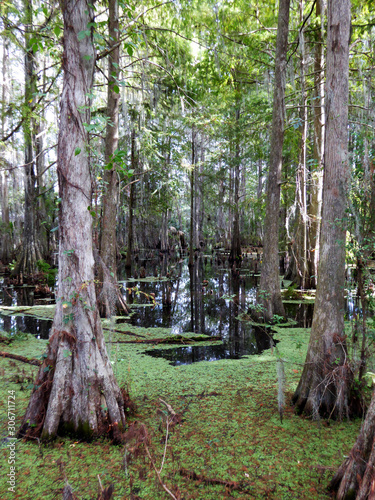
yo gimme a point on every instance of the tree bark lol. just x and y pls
(192, 190)
(235, 253)
(355, 479)
(269, 300)
(109, 296)
(130, 246)
(298, 266)
(326, 379)
(75, 390)
(6, 240)
(31, 252)
(315, 206)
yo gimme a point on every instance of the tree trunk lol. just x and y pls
(355, 479)
(130, 246)
(298, 269)
(164, 240)
(6, 240)
(75, 390)
(43, 231)
(5, 246)
(315, 206)
(235, 252)
(192, 189)
(197, 194)
(269, 300)
(109, 296)
(31, 252)
(326, 378)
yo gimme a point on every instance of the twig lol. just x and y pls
(158, 474)
(165, 446)
(169, 407)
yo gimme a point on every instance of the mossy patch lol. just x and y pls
(41, 311)
(150, 279)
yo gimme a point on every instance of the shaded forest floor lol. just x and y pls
(230, 429)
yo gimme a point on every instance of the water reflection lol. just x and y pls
(301, 313)
(206, 298)
(22, 296)
(235, 348)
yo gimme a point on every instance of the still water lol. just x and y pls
(208, 298)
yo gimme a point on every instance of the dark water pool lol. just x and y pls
(208, 298)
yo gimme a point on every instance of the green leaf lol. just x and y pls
(83, 34)
(66, 353)
(54, 229)
(57, 31)
(129, 50)
(116, 89)
(77, 151)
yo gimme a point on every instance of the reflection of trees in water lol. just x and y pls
(302, 313)
(255, 343)
(196, 300)
(191, 299)
(6, 300)
(197, 293)
(22, 296)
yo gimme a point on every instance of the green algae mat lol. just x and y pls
(227, 440)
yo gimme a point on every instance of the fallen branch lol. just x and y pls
(30, 361)
(233, 485)
(124, 333)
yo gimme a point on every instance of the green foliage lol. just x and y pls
(291, 292)
(48, 272)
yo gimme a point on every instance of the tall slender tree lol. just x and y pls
(269, 300)
(76, 380)
(326, 379)
(109, 296)
(31, 251)
(315, 206)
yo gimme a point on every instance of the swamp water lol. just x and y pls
(207, 299)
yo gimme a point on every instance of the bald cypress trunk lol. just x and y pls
(235, 252)
(134, 163)
(355, 479)
(31, 251)
(110, 299)
(315, 207)
(326, 378)
(75, 389)
(6, 239)
(269, 300)
(192, 190)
